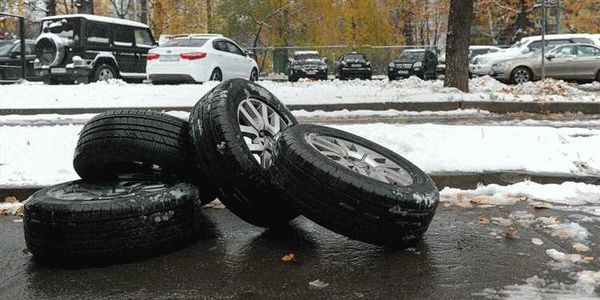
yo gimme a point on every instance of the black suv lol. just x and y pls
(307, 64)
(10, 59)
(83, 48)
(419, 62)
(353, 65)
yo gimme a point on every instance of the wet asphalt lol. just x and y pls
(458, 258)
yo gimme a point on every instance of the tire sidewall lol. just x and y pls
(422, 183)
(512, 75)
(104, 67)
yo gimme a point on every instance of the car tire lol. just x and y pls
(521, 75)
(82, 223)
(222, 149)
(391, 78)
(50, 81)
(598, 76)
(254, 75)
(216, 75)
(292, 78)
(131, 141)
(104, 72)
(346, 201)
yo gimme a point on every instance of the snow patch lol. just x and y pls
(569, 231)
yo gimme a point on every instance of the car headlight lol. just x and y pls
(391, 65)
(418, 64)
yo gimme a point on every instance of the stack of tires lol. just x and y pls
(142, 173)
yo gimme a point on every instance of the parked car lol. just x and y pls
(418, 62)
(353, 65)
(580, 62)
(473, 52)
(200, 58)
(83, 48)
(482, 64)
(307, 64)
(10, 59)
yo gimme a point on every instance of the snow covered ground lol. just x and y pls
(42, 155)
(120, 94)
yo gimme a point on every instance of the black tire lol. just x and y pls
(216, 75)
(131, 141)
(254, 75)
(81, 223)
(391, 78)
(50, 81)
(341, 76)
(347, 202)
(103, 69)
(598, 76)
(292, 78)
(244, 186)
(518, 70)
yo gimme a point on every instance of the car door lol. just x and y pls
(587, 62)
(561, 65)
(240, 67)
(430, 62)
(223, 59)
(143, 43)
(123, 48)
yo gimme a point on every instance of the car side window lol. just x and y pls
(535, 45)
(97, 34)
(219, 45)
(142, 38)
(29, 49)
(122, 36)
(586, 51)
(565, 51)
(234, 49)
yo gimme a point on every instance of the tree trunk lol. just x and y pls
(85, 7)
(50, 7)
(457, 44)
(209, 25)
(144, 11)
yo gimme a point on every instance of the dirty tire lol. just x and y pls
(97, 223)
(349, 203)
(130, 141)
(244, 186)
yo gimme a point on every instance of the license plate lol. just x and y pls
(312, 72)
(58, 71)
(169, 58)
(403, 72)
(356, 65)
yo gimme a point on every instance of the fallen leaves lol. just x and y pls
(579, 247)
(484, 221)
(289, 258)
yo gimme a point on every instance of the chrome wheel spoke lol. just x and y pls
(260, 126)
(360, 159)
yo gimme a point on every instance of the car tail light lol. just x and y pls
(193, 55)
(153, 56)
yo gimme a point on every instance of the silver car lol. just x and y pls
(579, 62)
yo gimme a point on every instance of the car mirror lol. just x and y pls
(290, 59)
(525, 50)
(550, 56)
(15, 54)
(325, 59)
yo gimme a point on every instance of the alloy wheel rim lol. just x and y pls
(360, 159)
(521, 76)
(216, 76)
(91, 191)
(260, 126)
(105, 74)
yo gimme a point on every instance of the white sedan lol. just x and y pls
(199, 58)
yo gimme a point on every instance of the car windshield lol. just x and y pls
(185, 42)
(306, 56)
(5, 48)
(62, 28)
(358, 57)
(412, 55)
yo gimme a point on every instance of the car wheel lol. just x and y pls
(97, 223)
(353, 186)
(132, 141)
(233, 132)
(391, 78)
(254, 75)
(521, 75)
(104, 72)
(292, 78)
(598, 76)
(216, 75)
(50, 81)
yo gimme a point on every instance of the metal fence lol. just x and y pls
(275, 60)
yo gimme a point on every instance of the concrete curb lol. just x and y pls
(494, 107)
(462, 180)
